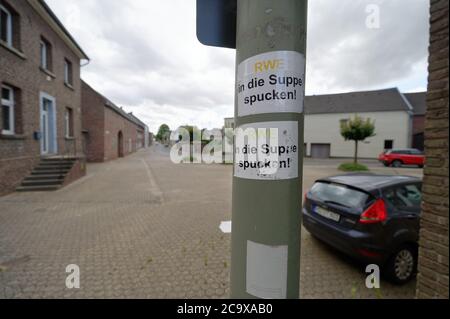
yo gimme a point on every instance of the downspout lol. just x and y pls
(411, 115)
(87, 62)
(83, 149)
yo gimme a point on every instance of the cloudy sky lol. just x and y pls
(145, 55)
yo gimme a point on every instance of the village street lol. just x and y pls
(143, 227)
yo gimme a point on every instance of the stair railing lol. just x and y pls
(68, 151)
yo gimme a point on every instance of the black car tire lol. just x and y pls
(397, 163)
(402, 265)
(420, 166)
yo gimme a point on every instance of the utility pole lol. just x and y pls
(266, 208)
(270, 41)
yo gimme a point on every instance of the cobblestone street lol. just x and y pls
(142, 227)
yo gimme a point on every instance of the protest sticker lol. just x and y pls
(267, 150)
(271, 82)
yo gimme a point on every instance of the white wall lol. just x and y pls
(325, 128)
(229, 122)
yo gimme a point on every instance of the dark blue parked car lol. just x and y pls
(374, 218)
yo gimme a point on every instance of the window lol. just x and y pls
(43, 55)
(339, 194)
(46, 54)
(404, 152)
(68, 72)
(388, 144)
(6, 25)
(68, 118)
(405, 197)
(7, 110)
(416, 152)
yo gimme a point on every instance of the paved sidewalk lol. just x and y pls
(142, 227)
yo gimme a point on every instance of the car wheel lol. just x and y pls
(402, 265)
(420, 166)
(397, 163)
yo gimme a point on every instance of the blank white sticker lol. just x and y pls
(225, 227)
(266, 270)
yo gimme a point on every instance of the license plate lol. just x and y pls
(327, 214)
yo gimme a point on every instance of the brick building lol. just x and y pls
(432, 281)
(418, 102)
(109, 131)
(142, 132)
(41, 96)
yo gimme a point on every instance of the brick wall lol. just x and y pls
(19, 68)
(115, 123)
(103, 124)
(433, 281)
(93, 118)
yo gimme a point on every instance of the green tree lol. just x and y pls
(357, 129)
(162, 132)
(192, 130)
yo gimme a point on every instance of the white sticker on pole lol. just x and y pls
(266, 271)
(267, 150)
(271, 82)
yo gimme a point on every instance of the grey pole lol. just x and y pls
(265, 257)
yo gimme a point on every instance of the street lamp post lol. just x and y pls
(270, 41)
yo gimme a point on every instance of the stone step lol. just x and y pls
(59, 158)
(44, 177)
(48, 175)
(42, 182)
(37, 188)
(52, 168)
(49, 172)
(51, 163)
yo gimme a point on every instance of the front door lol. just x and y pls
(48, 125)
(44, 126)
(120, 144)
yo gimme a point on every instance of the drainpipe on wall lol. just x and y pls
(411, 116)
(87, 62)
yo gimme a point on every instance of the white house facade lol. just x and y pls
(323, 137)
(394, 114)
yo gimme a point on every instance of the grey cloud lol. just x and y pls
(368, 58)
(114, 23)
(142, 72)
(184, 92)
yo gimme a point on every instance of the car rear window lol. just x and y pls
(404, 152)
(416, 152)
(339, 194)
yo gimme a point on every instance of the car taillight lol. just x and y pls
(368, 253)
(376, 213)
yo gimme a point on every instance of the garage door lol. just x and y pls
(320, 150)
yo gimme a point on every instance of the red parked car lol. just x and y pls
(399, 157)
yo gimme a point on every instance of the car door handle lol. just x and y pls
(411, 216)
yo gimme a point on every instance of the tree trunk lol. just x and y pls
(355, 158)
